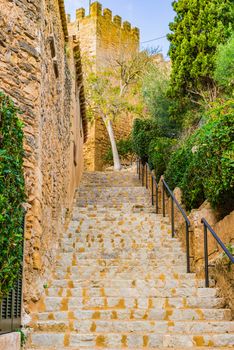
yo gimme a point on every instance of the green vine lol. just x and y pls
(12, 193)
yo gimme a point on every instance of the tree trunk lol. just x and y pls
(109, 127)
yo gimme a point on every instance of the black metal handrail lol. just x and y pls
(165, 188)
(143, 170)
(187, 222)
(219, 241)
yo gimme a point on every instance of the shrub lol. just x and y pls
(144, 130)
(224, 65)
(204, 165)
(125, 150)
(159, 154)
(11, 193)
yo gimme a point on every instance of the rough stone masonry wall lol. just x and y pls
(36, 73)
(103, 37)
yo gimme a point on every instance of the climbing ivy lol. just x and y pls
(12, 193)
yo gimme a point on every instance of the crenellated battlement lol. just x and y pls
(106, 14)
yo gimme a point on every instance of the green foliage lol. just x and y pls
(159, 152)
(23, 337)
(224, 65)
(11, 193)
(203, 166)
(144, 130)
(198, 28)
(160, 106)
(125, 150)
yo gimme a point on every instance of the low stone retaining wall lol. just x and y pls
(10, 341)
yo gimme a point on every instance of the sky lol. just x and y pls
(150, 16)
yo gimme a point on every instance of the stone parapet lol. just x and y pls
(97, 12)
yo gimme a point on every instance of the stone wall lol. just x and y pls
(103, 37)
(38, 69)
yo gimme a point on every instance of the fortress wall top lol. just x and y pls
(96, 11)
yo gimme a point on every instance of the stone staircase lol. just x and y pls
(121, 282)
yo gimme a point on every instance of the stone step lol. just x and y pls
(161, 281)
(75, 260)
(98, 303)
(132, 341)
(135, 348)
(130, 326)
(116, 272)
(131, 292)
(80, 255)
(134, 314)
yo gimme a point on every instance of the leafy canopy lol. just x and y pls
(198, 28)
(224, 65)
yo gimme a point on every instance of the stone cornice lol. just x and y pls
(79, 81)
(63, 18)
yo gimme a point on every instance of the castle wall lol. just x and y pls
(104, 37)
(37, 74)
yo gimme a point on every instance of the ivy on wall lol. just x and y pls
(12, 193)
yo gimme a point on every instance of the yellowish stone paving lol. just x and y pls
(121, 281)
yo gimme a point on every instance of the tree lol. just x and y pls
(224, 66)
(198, 28)
(110, 92)
(155, 84)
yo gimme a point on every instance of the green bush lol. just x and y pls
(203, 166)
(11, 193)
(144, 130)
(224, 65)
(159, 154)
(125, 150)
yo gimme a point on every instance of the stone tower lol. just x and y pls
(103, 36)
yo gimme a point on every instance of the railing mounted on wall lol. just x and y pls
(207, 228)
(144, 172)
(11, 305)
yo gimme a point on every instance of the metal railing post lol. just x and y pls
(206, 257)
(187, 247)
(163, 199)
(146, 176)
(152, 190)
(143, 174)
(156, 199)
(172, 219)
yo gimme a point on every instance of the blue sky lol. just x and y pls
(151, 16)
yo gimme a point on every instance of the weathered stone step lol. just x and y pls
(131, 292)
(161, 348)
(110, 244)
(134, 314)
(133, 341)
(65, 261)
(160, 281)
(138, 326)
(128, 272)
(98, 303)
(96, 275)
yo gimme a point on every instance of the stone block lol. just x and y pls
(10, 341)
